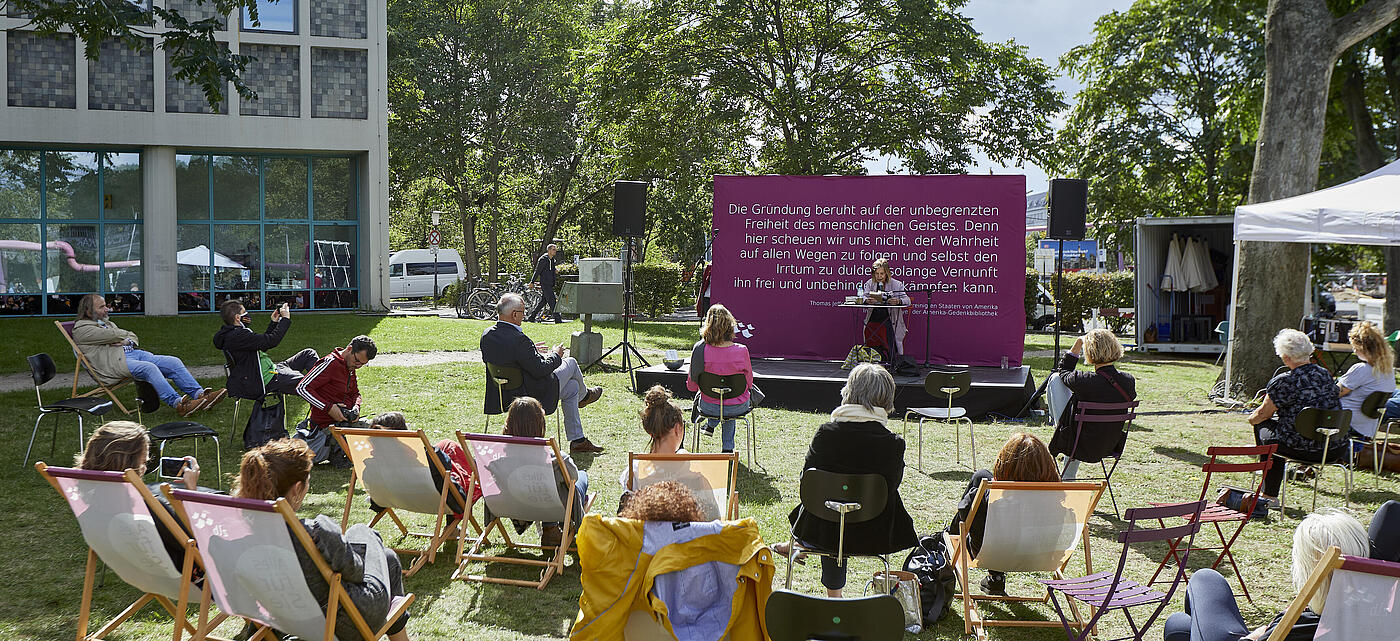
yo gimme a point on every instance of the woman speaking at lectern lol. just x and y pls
(884, 326)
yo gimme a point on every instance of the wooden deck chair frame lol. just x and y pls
(84, 364)
(973, 621)
(338, 600)
(731, 510)
(1331, 560)
(548, 567)
(176, 609)
(441, 532)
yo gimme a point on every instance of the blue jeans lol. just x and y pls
(580, 494)
(571, 391)
(1211, 613)
(155, 368)
(1392, 408)
(727, 433)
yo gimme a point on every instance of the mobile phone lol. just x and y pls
(172, 466)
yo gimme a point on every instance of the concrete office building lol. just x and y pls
(117, 178)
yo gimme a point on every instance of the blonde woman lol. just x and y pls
(1375, 373)
(882, 288)
(1105, 384)
(717, 353)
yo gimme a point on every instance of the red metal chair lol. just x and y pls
(1105, 591)
(1261, 459)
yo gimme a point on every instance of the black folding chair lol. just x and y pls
(41, 367)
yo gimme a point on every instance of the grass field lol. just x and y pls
(41, 580)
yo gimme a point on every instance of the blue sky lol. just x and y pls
(1048, 28)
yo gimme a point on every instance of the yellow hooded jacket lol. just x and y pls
(618, 576)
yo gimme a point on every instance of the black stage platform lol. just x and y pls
(816, 386)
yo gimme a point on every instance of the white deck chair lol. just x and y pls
(710, 477)
(1361, 600)
(517, 481)
(395, 468)
(1030, 527)
(252, 569)
(119, 519)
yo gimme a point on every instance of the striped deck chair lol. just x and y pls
(710, 477)
(119, 518)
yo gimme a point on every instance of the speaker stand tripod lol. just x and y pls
(625, 346)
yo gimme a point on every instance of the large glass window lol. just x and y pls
(273, 15)
(70, 227)
(260, 243)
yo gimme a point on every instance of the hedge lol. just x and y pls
(656, 288)
(1082, 293)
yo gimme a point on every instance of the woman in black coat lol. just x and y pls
(1105, 384)
(857, 442)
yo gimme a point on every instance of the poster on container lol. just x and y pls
(790, 250)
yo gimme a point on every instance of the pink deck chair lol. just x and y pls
(1363, 600)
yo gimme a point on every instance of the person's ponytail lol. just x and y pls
(270, 471)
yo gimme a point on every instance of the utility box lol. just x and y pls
(599, 270)
(586, 347)
(590, 298)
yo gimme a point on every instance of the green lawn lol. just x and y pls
(40, 583)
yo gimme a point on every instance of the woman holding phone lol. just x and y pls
(252, 374)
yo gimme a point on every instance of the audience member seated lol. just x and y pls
(548, 375)
(1305, 384)
(1100, 349)
(857, 442)
(449, 451)
(1384, 532)
(525, 417)
(282, 469)
(664, 501)
(251, 373)
(118, 446)
(1375, 373)
(113, 353)
(717, 353)
(1023, 458)
(333, 391)
(1212, 614)
(664, 424)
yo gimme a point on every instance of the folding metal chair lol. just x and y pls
(1087, 412)
(396, 469)
(712, 478)
(1030, 527)
(723, 387)
(253, 572)
(517, 480)
(119, 519)
(1324, 427)
(1361, 604)
(839, 499)
(945, 385)
(42, 369)
(66, 328)
(1260, 459)
(1106, 591)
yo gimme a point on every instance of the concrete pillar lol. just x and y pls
(373, 171)
(158, 238)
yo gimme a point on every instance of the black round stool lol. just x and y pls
(179, 430)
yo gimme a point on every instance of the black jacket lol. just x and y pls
(506, 344)
(544, 272)
(859, 448)
(241, 346)
(1099, 439)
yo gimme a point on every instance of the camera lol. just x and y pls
(171, 467)
(351, 414)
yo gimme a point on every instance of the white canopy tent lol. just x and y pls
(199, 256)
(1364, 211)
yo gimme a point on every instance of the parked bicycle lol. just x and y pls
(480, 302)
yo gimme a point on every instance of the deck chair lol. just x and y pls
(396, 469)
(119, 519)
(945, 386)
(790, 616)
(1218, 515)
(1087, 412)
(503, 378)
(1108, 591)
(710, 477)
(1361, 603)
(1325, 427)
(516, 477)
(82, 365)
(1030, 527)
(253, 573)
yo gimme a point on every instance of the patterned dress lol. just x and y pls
(1304, 386)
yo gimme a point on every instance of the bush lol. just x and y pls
(1032, 279)
(567, 272)
(656, 288)
(1083, 292)
(450, 293)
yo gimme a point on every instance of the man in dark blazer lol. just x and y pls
(545, 273)
(548, 375)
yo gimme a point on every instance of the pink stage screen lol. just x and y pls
(789, 249)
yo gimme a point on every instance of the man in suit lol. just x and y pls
(545, 273)
(548, 375)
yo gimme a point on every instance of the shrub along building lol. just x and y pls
(116, 178)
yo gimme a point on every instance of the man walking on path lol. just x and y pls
(545, 273)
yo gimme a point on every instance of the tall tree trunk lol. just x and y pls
(1301, 43)
(494, 216)
(465, 206)
(1368, 159)
(1389, 50)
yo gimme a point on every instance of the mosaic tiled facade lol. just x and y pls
(338, 18)
(276, 77)
(121, 79)
(339, 83)
(42, 70)
(186, 98)
(193, 11)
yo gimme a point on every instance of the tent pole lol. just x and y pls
(1234, 301)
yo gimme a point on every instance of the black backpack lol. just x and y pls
(931, 563)
(267, 422)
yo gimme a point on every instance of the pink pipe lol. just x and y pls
(69, 254)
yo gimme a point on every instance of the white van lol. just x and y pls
(411, 272)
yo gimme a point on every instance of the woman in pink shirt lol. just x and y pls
(719, 354)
